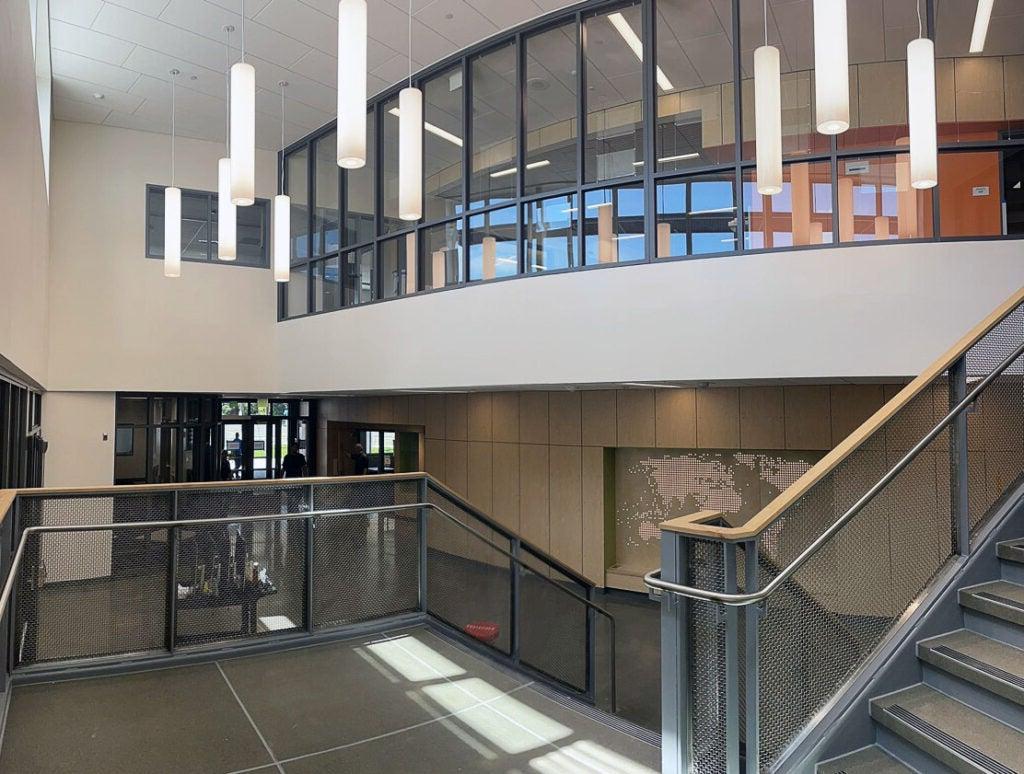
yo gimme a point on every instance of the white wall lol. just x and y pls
(116, 322)
(24, 239)
(868, 311)
(74, 424)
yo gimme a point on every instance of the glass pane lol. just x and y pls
(359, 276)
(551, 102)
(359, 187)
(155, 221)
(696, 114)
(801, 214)
(325, 216)
(297, 188)
(165, 411)
(195, 225)
(552, 226)
(131, 411)
(613, 225)
(1013, 190)
(163, 458)
(389, 173)
(614, 146)
(234, 408)
(442, 145)
(251, 234)
(493, 244)
(397, 266)
(876, 201)
(878, 75)
(441, 255)
(494, 127)
(790, 27)
(295, 292)
(327, 285)
(696, 215)
(969, 192)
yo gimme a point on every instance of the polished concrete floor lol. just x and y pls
(405, 701)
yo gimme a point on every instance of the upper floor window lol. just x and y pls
(199, 228)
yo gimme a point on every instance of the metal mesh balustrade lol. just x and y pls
(365, 566)
(91, 594)
(552, 624)
(468, 581)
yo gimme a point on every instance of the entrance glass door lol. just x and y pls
(268, 448)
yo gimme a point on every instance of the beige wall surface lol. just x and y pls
(535, 460)
(24, 211)
(74, 424)
(116, 322)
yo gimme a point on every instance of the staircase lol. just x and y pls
(967, 713)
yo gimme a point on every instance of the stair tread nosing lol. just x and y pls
(1011, 550)
(870, 760)
(1001, 599)
(952, 732)
(992, 664)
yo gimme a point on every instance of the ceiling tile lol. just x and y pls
(505, 15)
(86, 42)
(80, 12)
(312, 93)
(147, 7)
(299, 113)
(83, 91)
(101, 73)
(70, 110)
(158, 65)
(301, 22)
(456, 21)
(160, 36)
(252, 7)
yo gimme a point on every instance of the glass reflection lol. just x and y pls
(398, 266)
(359, 279)
(441, 255)
(442, 145)
(297, 188)
(494, 133)
(551, 109)
(360, 187)
(613, 225)
(696, 216)
(801, 214)
(327, 285)
(493, 245)
(551, 229)
(390, 222)
(326, 232)
(877, 202)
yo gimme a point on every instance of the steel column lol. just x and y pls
(516, 599)
(421, 523)
(676, 727)
(958, 490)
(172, 578)
(751, 653)
(732, 666)
(310, 553)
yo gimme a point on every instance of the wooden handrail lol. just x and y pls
(696, 526)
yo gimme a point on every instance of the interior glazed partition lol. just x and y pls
(109, 579)
(765, 623)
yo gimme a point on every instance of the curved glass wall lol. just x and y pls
(618, 133)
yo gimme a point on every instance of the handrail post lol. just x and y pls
(421, 524)
(676, 727)
(591, 645)
(310, 530)
(961, 525)
(515, 599)
(172, 577)
(732, 666)
(752, 613)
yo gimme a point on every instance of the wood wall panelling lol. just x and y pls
(566, 418)
(635, 418)
(598, 408)
(506, 485)
(534, 493)
(808, 424)
(505, 416)
(566, 504)
(762, 423)
(533, 417)
(675, 419)
(718, 418)
(480, 416)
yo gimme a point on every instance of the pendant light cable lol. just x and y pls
(174, 76)
(410, 43)
(243, 30)
(766, 22)
(920, 27)
(228, 29)
(282, 84)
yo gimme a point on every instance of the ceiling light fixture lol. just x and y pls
(666, 159)
(282, 218)
(981, 19)
(831, 66)
(618, 21)
(768, 115)
(513, 170)
(227, 249)
(435, 130)
(410, 145)
(172, 209)
(924, 154)
(352, 84)
(243, 128)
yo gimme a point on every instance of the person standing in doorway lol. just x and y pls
(294, 462)
(360, 462)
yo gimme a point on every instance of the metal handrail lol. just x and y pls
(12, 574)
(653, 579)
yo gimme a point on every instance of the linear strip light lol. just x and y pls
(513, 170)
(620, 24)
(981, 20)
(666, 159)
(435, 130)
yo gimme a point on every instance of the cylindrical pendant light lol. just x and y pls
(490, 257)
(768, 119)
(352, 83)
(243, 129)
(227, 249)
(172, 209)
(924, 155)
(410, 145)
(282, 219)
(831, 67)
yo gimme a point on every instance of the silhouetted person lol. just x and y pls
(294, 462)
(226, 474)
(360, 462)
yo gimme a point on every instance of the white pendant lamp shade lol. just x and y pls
(410, 154)
(226, 213)
(282, 237)
(831, 67)
(921, 113)
(243, 134)
(768, 119)
(490, 257)
(172, 232)
(352, 84)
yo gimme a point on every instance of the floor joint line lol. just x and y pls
(252, 722)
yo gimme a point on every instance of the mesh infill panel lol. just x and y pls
(469, 583)
(365, 566)
(706, 635)
(552, 623)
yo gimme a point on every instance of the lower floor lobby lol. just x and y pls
(407, 700)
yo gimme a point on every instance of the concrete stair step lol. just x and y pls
(949, 731)
(999, 599)
(870, 760)
(1011, 550)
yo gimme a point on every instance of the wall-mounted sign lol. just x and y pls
(980, 190)
(858, 167)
